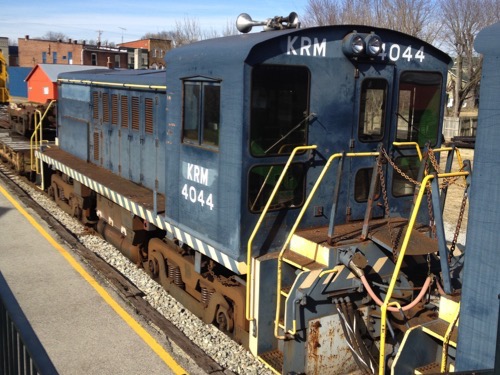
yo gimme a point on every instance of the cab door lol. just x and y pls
(370, 129)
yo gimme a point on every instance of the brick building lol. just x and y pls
(4, 48)
(71, 52)
(156, 49)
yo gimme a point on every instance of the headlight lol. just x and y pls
(373, 45)
(362, 45)
(353, 45)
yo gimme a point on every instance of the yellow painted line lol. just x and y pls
(143, 334)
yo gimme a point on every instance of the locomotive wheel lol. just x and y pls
(224, 320)
(153, 267)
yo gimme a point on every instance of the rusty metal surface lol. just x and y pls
(327, 349)
(379, 232)
(419, 244)
(130, 190)
(343, 232)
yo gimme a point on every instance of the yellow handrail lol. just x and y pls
(297, 221)
(446, 341)
(34, 142)
(399, 262)
(417, 146)
(250, 275)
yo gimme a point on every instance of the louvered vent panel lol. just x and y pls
(135, 113)
(114, 109)
(96, 146)
(105, 108)
(148, 113)
(124, 100)
(95, 103)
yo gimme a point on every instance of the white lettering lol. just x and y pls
(305, 46)
(318, 48)
(197, 174)
(290, 49)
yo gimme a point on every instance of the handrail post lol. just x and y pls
(250, 275)
(399, 262)
(297, 221)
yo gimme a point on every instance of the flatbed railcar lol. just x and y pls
(273, 183)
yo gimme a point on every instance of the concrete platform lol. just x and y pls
(79, 328)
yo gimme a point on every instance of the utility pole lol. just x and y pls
(123, 29)
(99, 32)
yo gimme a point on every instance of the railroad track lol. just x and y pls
(127, 290)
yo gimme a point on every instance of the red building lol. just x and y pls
(42, 80)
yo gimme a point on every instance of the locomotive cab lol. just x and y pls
(301, 152)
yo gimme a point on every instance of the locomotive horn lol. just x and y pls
(292, 20)
(244, 23)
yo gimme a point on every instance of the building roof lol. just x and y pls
(124, 77)
(53, 70)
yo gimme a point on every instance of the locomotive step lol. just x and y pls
(313, 243)
(432, 368)
(300, 261)
(437, 328)
(273, 359)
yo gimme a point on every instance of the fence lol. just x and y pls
(20, 349)
(459, 127)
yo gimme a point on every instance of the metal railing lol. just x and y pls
(296, 224)
(395, 275)
(249, 313)
(20, 349)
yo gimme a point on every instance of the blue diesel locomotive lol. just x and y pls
(272, 182)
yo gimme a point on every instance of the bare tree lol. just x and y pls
(164, 35)
(462, 20)
(414, 17)
(53, 35)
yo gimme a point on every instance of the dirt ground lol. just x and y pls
(454, 199)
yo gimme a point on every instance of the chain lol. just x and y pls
(459, 223)
(386, 202)
(397, 169)
(432, 158)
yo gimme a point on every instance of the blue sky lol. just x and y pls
(81, 20)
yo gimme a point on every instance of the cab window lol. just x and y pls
(279, 109)
(201, 113)
(419, 107)
(372, 110)
(262, 181)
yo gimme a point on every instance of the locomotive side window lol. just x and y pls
(262, 180)
(419, 107)
(201, 113)
(278, 110)
(372, 110)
